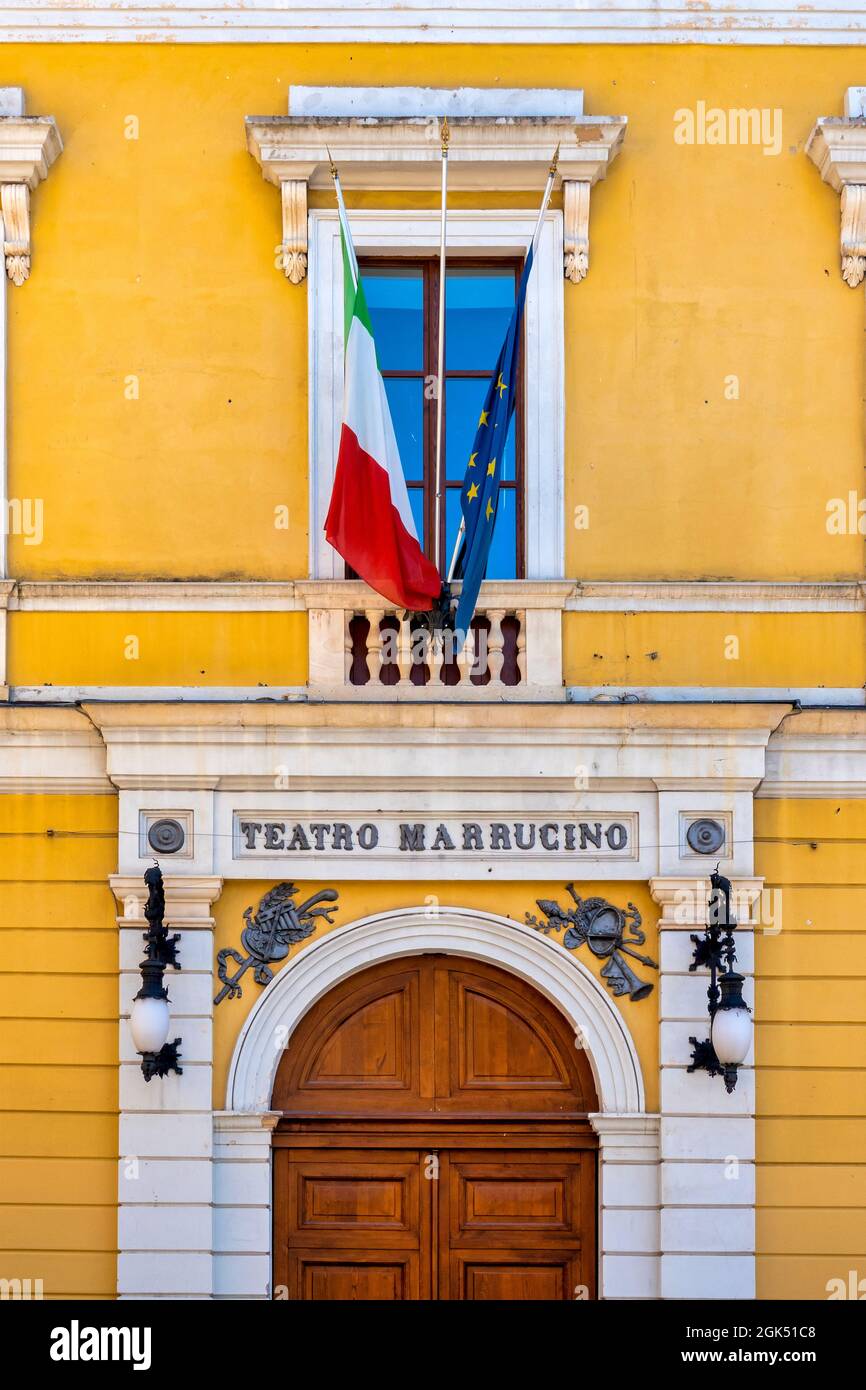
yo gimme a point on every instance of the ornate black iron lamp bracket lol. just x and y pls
(715, 951)
(160, 950)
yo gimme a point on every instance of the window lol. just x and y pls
(403, 299)
(492, 239)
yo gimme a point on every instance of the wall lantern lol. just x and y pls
(150, 1018)
(730, 1017)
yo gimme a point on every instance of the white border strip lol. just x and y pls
(762, 22)
(709, 694)
(287, 596)
(710, 596)
(843, 697)
(132, 694)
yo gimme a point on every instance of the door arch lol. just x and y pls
(434, 1141)
(539, 960)
(434, 1035)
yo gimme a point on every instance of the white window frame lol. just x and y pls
(491, 232)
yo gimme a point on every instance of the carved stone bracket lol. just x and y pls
(575, 207)
(293, 252)
(15, 206)
(837, 146)
(853, 233)
(28, 147)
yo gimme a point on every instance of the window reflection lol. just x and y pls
(403, 303)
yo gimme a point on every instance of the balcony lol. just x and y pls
(362, 648)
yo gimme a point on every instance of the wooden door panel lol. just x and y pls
(514, 1196)
(353, 1276)
(494, 1275)
(517, 1225)
(360, 1050)
(496, 1046)
(501, 1049)
(354, 1195)
(352, 1224)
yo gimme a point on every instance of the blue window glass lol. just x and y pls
(395, 298)
(416, 501)
(406, 399)
(478, 305)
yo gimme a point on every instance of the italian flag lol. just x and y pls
(370, 521)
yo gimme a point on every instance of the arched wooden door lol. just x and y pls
(434, 1142)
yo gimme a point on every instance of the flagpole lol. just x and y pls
(440, 367)
(551, 175)
(341, 208)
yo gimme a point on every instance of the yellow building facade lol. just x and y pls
(676, 672)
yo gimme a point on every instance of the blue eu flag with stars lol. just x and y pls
(479, 496)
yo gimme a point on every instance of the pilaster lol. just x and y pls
(706, 1137)
(628, 1205)
(242, 1221)
(165, 1179)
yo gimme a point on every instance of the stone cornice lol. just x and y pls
(558, 720)
(502, 153)
(29, 146)
(509, 594)
(817, 753)
(358, 748)
(188, 899)
(683, 900)
(717, 22)
(632, 595)
(49, 751)
(385, 152)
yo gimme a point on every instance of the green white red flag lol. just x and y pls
(370, 521)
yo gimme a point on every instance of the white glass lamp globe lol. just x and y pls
(732, 1035)
(149, 1023)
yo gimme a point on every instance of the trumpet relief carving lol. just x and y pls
(610, 933)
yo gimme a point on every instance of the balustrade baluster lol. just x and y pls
(520, 615)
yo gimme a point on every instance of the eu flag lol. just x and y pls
(479, 497)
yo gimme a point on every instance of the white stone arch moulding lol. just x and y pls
(520, 950)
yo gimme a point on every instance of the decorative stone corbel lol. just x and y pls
(837, 146)
(853, 236)
(293, 252)
(15, 207)
(29, 146)
(575, 230)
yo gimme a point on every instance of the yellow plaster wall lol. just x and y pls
(813, 650)
(115, 649)
(153, 260)
(811, 1046)
(58, 1043)
(359, 900)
